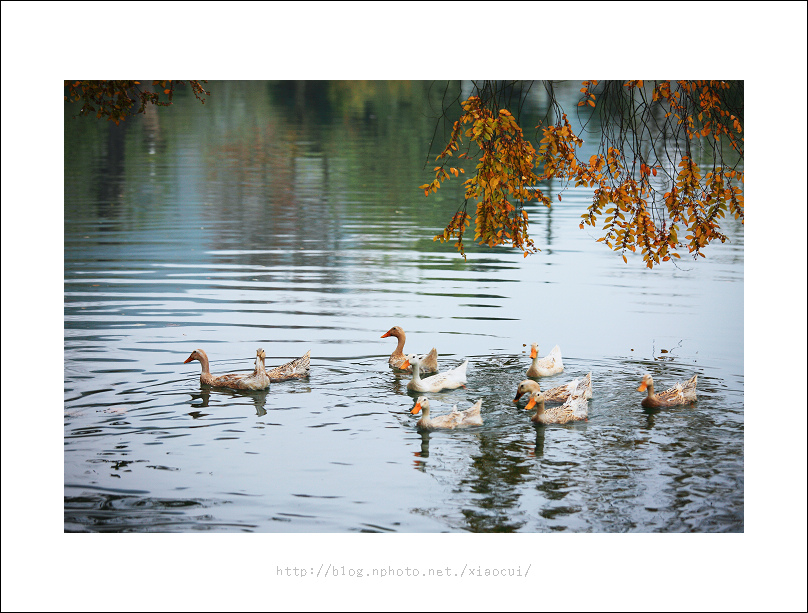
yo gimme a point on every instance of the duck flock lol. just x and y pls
(571, 397)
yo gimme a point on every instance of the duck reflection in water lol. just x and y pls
(203, 396)
(420, 456)
(650, 419)
(539, 450)
(259, 399)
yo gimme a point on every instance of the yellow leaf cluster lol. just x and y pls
(502, 181)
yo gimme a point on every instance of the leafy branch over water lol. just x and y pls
(648, 185)
(116, 100)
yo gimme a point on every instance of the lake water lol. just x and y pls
(288, 217)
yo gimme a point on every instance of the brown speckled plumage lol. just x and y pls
(256, 380)
(681, 393)
(296, 369)
(574, 409)
(450, 421)
(577, 387)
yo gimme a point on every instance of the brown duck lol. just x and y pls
(450, 421)
(681, 393)
(574, 409)
(256, 380)
(577, 387)
(429, 361)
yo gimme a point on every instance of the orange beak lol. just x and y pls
(406, 364)
(416, 409)
(533, 352)
(190, 358)
(530, 403)
(385, 334)
(518, 396)
(642, 387)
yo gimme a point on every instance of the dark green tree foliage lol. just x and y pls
(116, 100)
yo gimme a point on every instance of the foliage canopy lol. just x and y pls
(648, 186)
(116, 100)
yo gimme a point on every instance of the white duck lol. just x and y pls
(455, 419)
(574, 409)
(448, 380)
(576, 387)
(551, 364)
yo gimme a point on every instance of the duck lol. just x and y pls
(296, 369)
(256, 380)
(573, 409)
(681, 393)
(429, 361)
(576, 387)
(450, 421)
(448, 380)
(551, 364)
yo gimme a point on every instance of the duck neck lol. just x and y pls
(539, 406)
(259, 365)
(416, 375)
(203, 359)
(205, 377)
(650, 390)
(399, 350)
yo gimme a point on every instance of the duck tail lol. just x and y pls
(431, 360)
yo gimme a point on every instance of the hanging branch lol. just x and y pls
(647, 186)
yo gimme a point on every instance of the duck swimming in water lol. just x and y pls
(256, 380)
